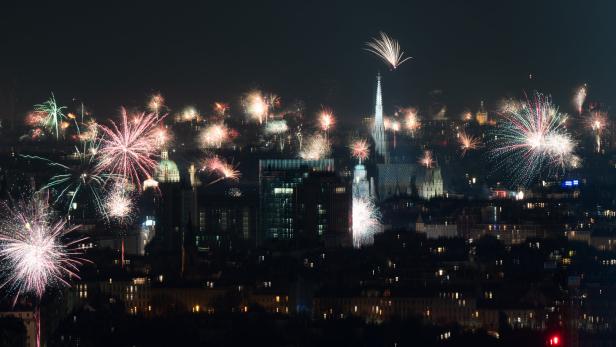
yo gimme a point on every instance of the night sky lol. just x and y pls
(112, 55)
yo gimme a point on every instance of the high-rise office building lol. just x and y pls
(278, 182)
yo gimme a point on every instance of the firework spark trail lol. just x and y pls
(316, 147)
(52, 113)
(387, 49)
(128, 150)
(366, 222)
(360, 149)
(468, 142)
(597, 123)
(579, 97)
(222, 168)
(533, 139)
(214, 136)
(427, 160)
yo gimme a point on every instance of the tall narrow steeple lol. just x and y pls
(378, 133)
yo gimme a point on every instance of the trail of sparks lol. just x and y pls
(221, 168)
(579, 97)
(468, 142)
(387, 49)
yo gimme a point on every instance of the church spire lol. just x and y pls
(378, 133)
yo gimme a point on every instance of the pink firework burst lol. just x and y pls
(32, 250)
(360, 149)
(326, 119)
(128, 150)
(222, 168)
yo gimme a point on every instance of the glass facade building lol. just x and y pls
(278, 181)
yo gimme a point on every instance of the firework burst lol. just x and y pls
(221, 108)
(316, 147)
(156, 103)
(214, 136)
(366, 222)
(32, 250)
(360, 149)
(579, 97)
(276, 127)
(222, 168)
(78, 178)
(468, 142)
(189, 114)
(510, 105)
(128, 150)
(119, 204)
(162, 136)
(52, 115)
(427, 160)
(411, 120)
(533, 139)
(387, 49)
(597, 123)
(326, 120)
(256, 106)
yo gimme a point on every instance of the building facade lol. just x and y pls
(279, 180)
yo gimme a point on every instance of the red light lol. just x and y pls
(555, 340)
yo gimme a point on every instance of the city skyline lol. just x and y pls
(308, 174)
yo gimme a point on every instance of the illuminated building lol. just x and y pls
(378, 130)
(167, 170)
(482, 115)
(432, 185)
(278, 181)
(436, 230)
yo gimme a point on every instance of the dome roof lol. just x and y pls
(167, 170)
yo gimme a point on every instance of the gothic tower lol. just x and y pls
(378, 132)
